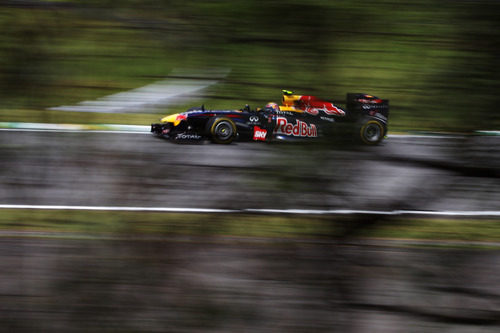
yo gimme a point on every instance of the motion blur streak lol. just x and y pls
(128, 170)
(85, 285)
(256, 210)
(436, 61)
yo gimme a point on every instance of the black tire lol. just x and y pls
(372, 132)
(222, 130)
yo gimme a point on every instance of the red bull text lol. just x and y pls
(300, 128)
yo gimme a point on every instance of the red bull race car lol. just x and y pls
(299, 117)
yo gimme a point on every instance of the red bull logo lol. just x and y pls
(313, 105)
(300, 128)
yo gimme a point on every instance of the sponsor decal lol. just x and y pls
(313, 106)
(312, 111)
(187, 136)
(327, 108)
(284, 113)
(253, 119)
(369, 100)
(374, 106)
(327, 119)
(300, 128)
(331, 109)
(259, 134)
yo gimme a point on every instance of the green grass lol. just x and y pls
(243, 225)
(152, 223)
(441, 229)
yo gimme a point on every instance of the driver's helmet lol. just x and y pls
(272, 106)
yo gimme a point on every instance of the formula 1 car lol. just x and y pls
(299, 117)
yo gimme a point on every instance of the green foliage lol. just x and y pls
(436, 61)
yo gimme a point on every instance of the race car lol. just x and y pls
(301, 117)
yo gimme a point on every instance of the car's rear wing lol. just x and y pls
(359, 104)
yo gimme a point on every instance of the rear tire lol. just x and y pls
(372, 132)
(222, 130)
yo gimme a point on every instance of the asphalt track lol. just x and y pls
(436, 174)
(222, 284)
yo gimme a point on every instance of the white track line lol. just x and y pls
(419, 136)
(120, 208)
(72, 131)
(78, 128)
(252, 210)
(180, 86)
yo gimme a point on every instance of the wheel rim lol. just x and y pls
(223, 130)
(372, 133)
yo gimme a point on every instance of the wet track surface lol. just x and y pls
(229, 285)
(223, 284)
(104, 169)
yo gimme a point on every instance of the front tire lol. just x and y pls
(372, 132)
(222, 130)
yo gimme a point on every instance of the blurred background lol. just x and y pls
(436, 61)
(102, 271)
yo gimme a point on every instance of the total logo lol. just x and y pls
(300, 128)
(186, 136)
